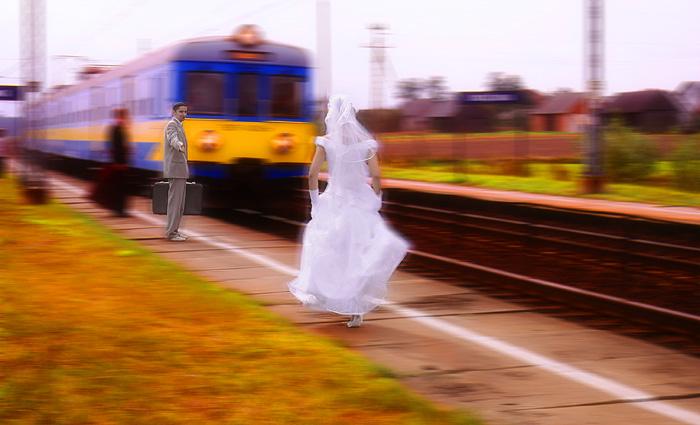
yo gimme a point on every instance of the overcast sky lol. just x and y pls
(649, 43)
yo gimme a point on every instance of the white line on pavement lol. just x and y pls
(621, 391)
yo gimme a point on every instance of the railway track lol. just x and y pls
(638, 285)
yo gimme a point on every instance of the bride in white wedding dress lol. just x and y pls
(348, 252)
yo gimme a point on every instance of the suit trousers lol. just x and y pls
(176, 205)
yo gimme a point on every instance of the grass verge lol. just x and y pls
(96, 329)
(544, 178)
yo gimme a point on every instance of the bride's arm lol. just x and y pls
(315, 167)
(374, 172)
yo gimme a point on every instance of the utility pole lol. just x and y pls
(377, 64)
(33, 69)
(594, 174)
(323, 50)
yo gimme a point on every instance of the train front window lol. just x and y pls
(286, 96)
(247, 95)
(205, 93)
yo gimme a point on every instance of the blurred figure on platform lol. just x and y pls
(4, 151)
(112, 187)
(349, 252)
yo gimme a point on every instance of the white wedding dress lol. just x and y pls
(349, 252)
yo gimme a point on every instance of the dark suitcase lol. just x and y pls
(111, 187)
(193, 198)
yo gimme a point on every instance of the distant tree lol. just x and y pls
(432, 88)
(497, 81)
(410, 89)
(436, 88)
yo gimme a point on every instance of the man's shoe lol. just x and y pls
(182, 235)
(177, 238)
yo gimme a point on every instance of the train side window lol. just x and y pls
(205, 93)
(286, 96)
(247, 95)
(166, 95)
(154, 99)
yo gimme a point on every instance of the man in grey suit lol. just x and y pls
(175, 170)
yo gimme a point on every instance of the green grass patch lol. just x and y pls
(403, 137)
(97, 329)
(546, 178)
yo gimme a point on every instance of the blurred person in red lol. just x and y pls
(112, 187)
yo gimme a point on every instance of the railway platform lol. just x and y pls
(633, 209)
(513, 363)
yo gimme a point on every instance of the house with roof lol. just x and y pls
(688, 94)
(563, 111)
(445, 116)
(452, 115)
(415, 115)
(649, 111)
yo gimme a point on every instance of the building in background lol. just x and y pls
(563, 111)
(453, 115)
(415, 115)
(445, 116)
(649, 111)
(688, 94)
(442, 114)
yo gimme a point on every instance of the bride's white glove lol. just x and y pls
(378, 199)
(314, 200)
(314, 197)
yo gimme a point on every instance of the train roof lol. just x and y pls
(210, 49)
(215, 50)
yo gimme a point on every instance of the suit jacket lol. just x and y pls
(175, 151)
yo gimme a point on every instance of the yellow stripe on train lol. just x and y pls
(215, 141)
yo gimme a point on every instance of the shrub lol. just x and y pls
(628, 156)
(513, 167)
(559, 172)
(686, 164)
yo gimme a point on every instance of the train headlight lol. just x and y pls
(209, 140)
(248, 35)
(282, 143)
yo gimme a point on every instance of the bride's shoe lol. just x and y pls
(355, 321)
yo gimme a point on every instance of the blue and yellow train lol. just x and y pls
(250, 104)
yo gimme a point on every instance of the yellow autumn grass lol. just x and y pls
(96, 329)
